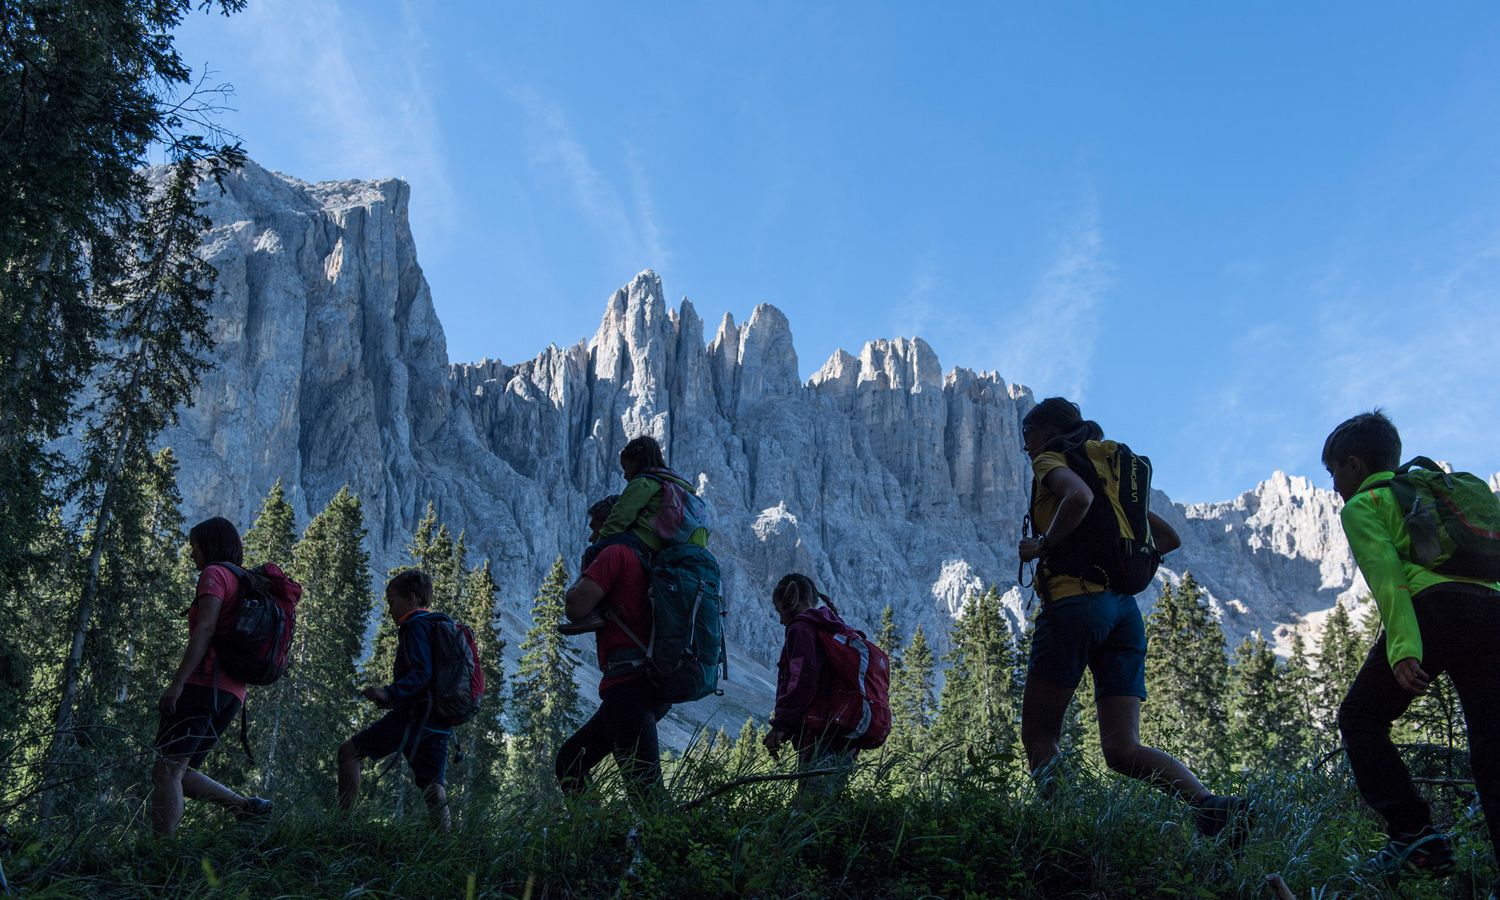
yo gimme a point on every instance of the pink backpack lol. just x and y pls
(857, 704)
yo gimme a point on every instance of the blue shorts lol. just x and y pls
(1103, 632)
(424, 746)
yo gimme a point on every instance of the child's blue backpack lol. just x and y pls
(1453, 519)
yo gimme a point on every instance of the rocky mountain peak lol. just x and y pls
(882, 478)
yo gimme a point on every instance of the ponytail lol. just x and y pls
(1065, 416)
(801, 589)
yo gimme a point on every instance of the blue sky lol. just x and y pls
(1221, 230)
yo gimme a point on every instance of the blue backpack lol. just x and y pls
(685, 651)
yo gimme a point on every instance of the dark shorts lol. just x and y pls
(424, 746)
(195, 726)
(1103, 633)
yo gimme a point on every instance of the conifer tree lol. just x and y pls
(1187, 678)
(544, 694)
(1340, 655)
(975, 710)
(1264, 727)
(912, 699)
(888, 638)
(271, 539)
(274, 534)
(1300, 688)
(748, 754)
(484, 759)
(434, 551)
(88, 89)
(158, 296)
(333, 567)
(145, 633)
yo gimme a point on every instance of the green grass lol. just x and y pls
(946, 832)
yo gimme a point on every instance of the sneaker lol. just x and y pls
(1428, 852)
(254, 808)
(1218, 813)
(582, 626)
(1047, 779)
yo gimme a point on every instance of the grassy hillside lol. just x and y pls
(942, 826)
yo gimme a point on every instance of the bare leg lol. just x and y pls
(437, 806)
(349, 762)
(1120, 739)
(200, 787)
(1043, 706)
(166, 793)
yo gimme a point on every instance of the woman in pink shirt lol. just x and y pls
(201, 701)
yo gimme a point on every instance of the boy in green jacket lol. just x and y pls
(1432, 624)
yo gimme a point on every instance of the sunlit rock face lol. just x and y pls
(886, 479)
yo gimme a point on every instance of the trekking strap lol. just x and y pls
(611, 615)
(245, 735)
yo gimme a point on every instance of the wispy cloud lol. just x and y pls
(1062, 310)
(916, 314)
(1425, 352)
(1422, 349)
(359, 116)
(632, 237)
(645, 207)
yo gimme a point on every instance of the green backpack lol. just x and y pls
(1453, 519)
(686, 647)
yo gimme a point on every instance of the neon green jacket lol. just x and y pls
(636, 510)
(1377, 535)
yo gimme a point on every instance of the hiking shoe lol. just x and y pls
(1428, 852)
(254, 808)
(583, 626)
(1217, 814)
(1047, 779)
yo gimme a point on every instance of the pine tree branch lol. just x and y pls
(754, 779)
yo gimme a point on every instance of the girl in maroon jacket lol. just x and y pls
(801, 680)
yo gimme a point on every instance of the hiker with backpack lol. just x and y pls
(1428, 545)
(832, 686)
(239, 630)
(436, 684)
(1097, 545)
(612, 599)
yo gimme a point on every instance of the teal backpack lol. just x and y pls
(686, 649)
(1453, 519)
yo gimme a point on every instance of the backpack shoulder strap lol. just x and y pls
(1420, 462)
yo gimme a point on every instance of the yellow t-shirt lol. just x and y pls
(1043, 511)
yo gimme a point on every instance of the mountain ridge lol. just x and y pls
(884, 477)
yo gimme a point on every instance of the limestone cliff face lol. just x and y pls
(886, 479)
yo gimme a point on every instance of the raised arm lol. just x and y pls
(1166, 536)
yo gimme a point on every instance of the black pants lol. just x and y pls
(625, 726)
(1460, 629)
